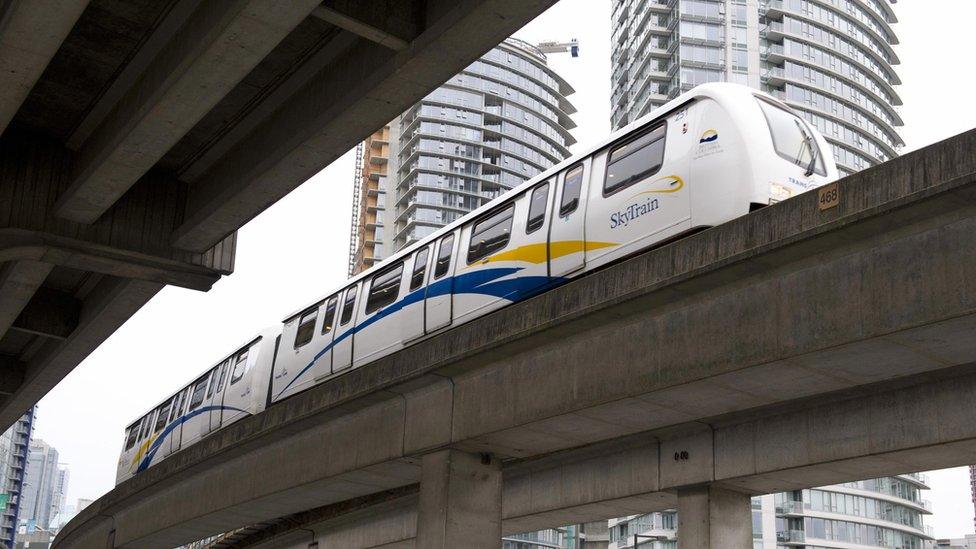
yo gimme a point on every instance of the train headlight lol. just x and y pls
(778, 192)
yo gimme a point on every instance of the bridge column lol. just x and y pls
(460, 501)
(710, 517)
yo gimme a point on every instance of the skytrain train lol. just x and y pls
(710, 155)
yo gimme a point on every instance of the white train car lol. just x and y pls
(705, 158)
(709, 156)
(234, 388)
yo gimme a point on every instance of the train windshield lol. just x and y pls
(792, 138)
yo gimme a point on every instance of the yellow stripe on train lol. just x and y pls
(537, 253)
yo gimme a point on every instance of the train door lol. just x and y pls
(196, 415)
(376, 335)
(215, 398)
(566, 236)
(175, 437)
(160, 437)
(342, 344)
(437, 305)
(412, 325)
(323, 365)
(237, 395)
(531, 231)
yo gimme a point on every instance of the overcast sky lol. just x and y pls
(298, 249)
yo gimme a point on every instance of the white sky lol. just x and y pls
(297, 250)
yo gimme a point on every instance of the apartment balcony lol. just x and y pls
(658, 7)
(790, 508)
(775, 77)
(791, 537)
(775, 54)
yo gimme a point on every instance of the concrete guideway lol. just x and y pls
(713, 362)
(137, 137)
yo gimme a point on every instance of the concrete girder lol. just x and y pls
(219, 44)
(824, 306)
(111, 302)
(31, 31)
(359, 28)
(19, 279)
(363, 89)
(50, 313)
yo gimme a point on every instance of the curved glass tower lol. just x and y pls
(831, 60)
(502, 120)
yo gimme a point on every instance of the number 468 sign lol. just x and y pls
(829, 196)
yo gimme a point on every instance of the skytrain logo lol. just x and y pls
(645, 202)
(709, 136)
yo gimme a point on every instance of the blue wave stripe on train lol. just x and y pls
(151, 453)
(481, 282)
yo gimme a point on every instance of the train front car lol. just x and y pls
(230, 390)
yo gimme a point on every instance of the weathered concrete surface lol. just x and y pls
(460, 503)
(771, 314)
(137, 137)
(710, 517)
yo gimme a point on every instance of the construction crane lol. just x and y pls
(560, 47)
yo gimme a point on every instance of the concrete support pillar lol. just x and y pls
(710, 517)
(460, 501)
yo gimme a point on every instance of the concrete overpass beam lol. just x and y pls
(460, 501)
(216, 48)
(18, 282)
(710, 517)
(50, 313)
(31, 32)
(359, 91)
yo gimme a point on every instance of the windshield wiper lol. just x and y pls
(808, 140)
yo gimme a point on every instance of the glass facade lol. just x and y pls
(831, 60)
(502, 120)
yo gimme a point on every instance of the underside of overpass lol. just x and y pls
(793, 347)
(137, 136)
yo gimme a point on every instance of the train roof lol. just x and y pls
(719, 91)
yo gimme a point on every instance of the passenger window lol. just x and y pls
(213, 376)
(146, 425)
(572, 184)
(221, 376)
(444, 256)
(384, 288)
(178, 407)
(306, 326)
(635, 160)
(491, 234)
(162, 416)
(538, 204)
(329, 320)
(419, 268)
(240, 367)
(348, 306)
(132, 436)
(199, 387)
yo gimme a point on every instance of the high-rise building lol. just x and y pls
(502, 120)
(40, 484)
(831, 60)
(60, 495)
(884, 512)
(14, 445)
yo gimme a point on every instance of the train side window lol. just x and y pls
(146, 425)
(384, 288)
(306, 326)
(240, 367)
(348, 306)
(537, 208)
(178, 406)
(635, 160)
(572, 184)
(199, 388)
(419, 269)
(444, 256)
(330, 310)
(162, 416)
(221, 375)
(133, 435)
(491, 234)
